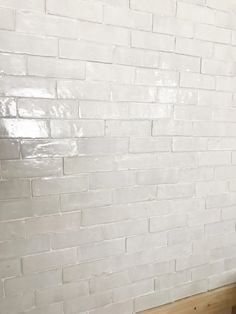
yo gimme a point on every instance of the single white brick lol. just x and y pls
(128, 128)
(60, 68)
(127, 18)
(48, 25)
(152, 41)
(83, 50)
(7, 19)
(76, 128)
(110, 73)
(194, 47)
(29, 44)
(164, 223)
(212, 33)
(196, 80)
(154, 6)
(195, 13)
(157, 78)
(101, 33)
(142, 242)
(173, 26)
(133, 93)
(169, 191)
(88, 10)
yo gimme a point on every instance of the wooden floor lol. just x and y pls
(219, 301)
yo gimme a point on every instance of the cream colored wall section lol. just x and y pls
(118, 153)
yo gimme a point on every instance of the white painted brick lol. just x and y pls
(85, 10)
(83, 90)
(61, 293)
(54, 308)
(110, 73)
(178, 62)
(77, 201)
(22, 247)
(194, 47)
(133, 93)
(127, 18)
(49, 260)
(154, 6)
(173, 26)
(14, 304)
(190, 144)
(101, 33)
(152, 300)
(156, 78)
(28, 283)
(128, 128)
(18, 128)
(136, 161)
(225, 83)
(106, 180)
(8, 107)
(152, 41)
(224, 52)
(212, 33)
(134, 290)
(47, 108)
(197, 80)
(103, 110)
(11, 189)
(169, 191)
(88, 164)
(204, 217)
(136, 57)
(35, 5)
(146, 144)
(196, 174)
(157, 176)
(18, 209)
(83, 50)
(192, 113)
(195, 13)
(189, 289)
(52, 224)
(103, 146)
(210, 188)
(167, 222)
(76, 128)
(60, 68)
(70, 238)
(77, 305)
(27, 87)
(212, 98)
(215, 67)
(114, 213)
(172, 280)
(177, 96)
(214, 158)
(100, 250)
(123, 307)
(29, 44)
(139, 243)
(225, 6)
(31, 168)
(42, 24)
(171, 127)
(9, 149)
(12, 64)
(10, 268)
(136, 194)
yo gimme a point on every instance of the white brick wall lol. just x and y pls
(117, 153)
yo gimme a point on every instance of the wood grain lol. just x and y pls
(213, 302)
